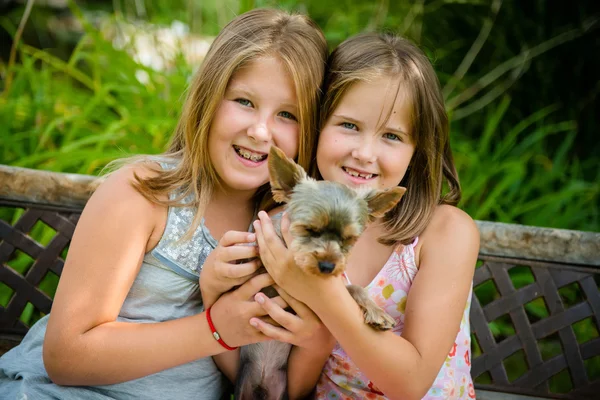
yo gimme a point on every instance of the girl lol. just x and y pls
(127, 319)
(384, 124)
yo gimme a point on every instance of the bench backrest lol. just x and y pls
(535, 313)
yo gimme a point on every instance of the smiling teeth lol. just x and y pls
(358, 175)
(248, 155)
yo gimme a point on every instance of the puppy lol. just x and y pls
(326, 219)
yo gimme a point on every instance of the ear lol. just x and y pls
(284, 174)
(383, 201)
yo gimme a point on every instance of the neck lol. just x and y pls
(238, 200)
(229, 211)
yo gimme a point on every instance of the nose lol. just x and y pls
(259, 131)
(364, 151)
(326, 267)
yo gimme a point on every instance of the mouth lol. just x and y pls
(358, 175)
(250, 155)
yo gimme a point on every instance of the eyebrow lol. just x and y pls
(355, 121)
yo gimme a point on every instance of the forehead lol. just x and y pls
(377, 102)
(331, 207)
(267, 76)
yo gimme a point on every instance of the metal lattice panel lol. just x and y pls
(549, 279)
(47, 259)
(510, 303)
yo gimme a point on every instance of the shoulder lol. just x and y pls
(117, 197)
(449, 221)
(121, 183)
(451, 232)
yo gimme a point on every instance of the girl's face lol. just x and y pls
(355, 149)
(258, 110)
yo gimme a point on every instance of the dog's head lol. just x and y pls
(326, 217)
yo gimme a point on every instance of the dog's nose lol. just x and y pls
(326, 267)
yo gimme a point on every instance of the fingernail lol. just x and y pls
(256, 224)
(254, 323)
(251, 237)
(259, 298)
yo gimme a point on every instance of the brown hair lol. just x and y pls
(297, 42)
(371, 55)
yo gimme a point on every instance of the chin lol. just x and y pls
(245, 185)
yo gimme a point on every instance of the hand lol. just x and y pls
(278, 259)
(304, 329)
(222, 270)
(233, 311)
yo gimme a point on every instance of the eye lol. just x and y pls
(288, 115)
(349, 125)
(312, 232)
(244, 102)
(392, 136)
(350, 240)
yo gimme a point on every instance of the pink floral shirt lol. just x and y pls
(341, 379)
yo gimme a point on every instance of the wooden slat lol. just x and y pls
(30, 186)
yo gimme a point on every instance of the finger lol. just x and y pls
(268, 230)
(301, 309)
(265, 253)
(282, 317)
(271, 331)
(276, 301)
(269, 320)
(280, 302)
(289, 299)
(237, 271)
(238, 252)
(285, 230)
(270, 240)
(254, 285)
(231, 238)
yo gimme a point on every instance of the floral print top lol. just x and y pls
(341, 379)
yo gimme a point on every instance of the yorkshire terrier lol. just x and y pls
(326, 219)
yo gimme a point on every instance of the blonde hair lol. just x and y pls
(297, 42)
(371, 55)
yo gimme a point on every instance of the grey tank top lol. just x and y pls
(165, 288)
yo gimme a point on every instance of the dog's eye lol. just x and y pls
(313, 232)
(349, 241)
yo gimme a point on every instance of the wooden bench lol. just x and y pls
(535, 312)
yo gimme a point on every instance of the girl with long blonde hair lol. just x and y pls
(128, 320)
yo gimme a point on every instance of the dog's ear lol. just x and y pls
(284, 174)
(382, 201)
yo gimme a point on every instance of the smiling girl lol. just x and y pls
(383, 125)
(128, 320)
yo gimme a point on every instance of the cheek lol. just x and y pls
(331, 148)
(230, 119)
(287, 138)
(396, 165)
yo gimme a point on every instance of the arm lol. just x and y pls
(84, 343)
(401, 366)
(312, 341)
(221, 272)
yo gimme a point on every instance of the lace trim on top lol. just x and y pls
(188, 255)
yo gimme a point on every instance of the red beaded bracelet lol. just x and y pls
(215, 333)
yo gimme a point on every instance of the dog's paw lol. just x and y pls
(374, 316)
(378, 319)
